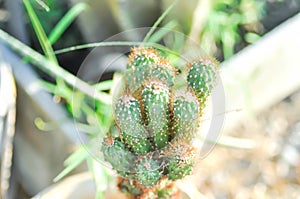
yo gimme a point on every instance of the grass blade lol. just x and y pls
(43, 5)
(158, 21)
(53, 69)
(162, 32)
(66, 21)
(104, 85)
(72, 162)
(115, 43)
(39, 31)
(101, 177)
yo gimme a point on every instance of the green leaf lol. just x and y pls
(104, 85)
(101, 177)
(66, 21)
(54, 69)
(251, 37)
(40, 33)
(114, 43)
(157, 36)
(158, 21)
(72, 162)
(52, 88)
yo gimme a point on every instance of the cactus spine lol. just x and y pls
(157, 123)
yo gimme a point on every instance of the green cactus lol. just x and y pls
(156, 101)
(145, 64)
(139, 66)
(156, 124)
(164, 72)
(202, 77)
(147, 172)
(186, 113)
(178, 169)
(116, 153)
(129, 119)
(181, 159)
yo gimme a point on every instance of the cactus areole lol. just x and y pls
(157, 123)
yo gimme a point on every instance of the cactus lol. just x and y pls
(147, 172)
(156, 102)
(164, 72)
(202, 77)
(116, 153)
(139, 66)
(129, 120)
(129, 187)
(186, 111)
(156, 123)
(146, 64)
(181, 159)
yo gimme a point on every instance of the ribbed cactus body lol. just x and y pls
(129, 119)
(202, 77)
(177, 169)
(181, 159)
(116, 153)
(186, 111)
(146, 64)
(156, 102)
(140, 63)
(147, 172)
(157, 123)
(164, 73)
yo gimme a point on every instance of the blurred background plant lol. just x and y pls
(221, 28)
(231, 25)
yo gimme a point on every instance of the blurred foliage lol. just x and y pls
(49, 12)
(87, 111)
(227, 25)
(231, 22)
(52, 12)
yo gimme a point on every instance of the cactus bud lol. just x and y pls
(139, 66)
(201, 78)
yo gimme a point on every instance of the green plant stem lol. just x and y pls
(41, 35)
(65, 22)
(53, 69)
(115, 43)
(158, 21)
(162, 32)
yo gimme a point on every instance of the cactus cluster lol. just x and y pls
(150, 143)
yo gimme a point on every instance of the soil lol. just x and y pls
(271, 170)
